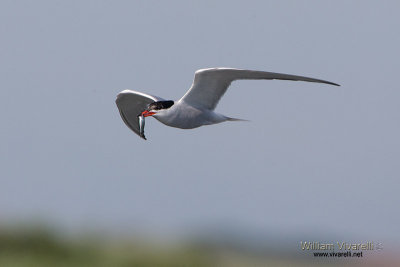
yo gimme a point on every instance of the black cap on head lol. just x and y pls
(160, 105)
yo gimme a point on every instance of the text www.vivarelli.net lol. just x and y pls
(338, 249)
(338, 254)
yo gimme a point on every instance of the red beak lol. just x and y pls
(147, 113)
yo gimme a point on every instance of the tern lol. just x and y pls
(196, 107)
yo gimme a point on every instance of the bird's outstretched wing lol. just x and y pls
(130, 104)
(209, 85)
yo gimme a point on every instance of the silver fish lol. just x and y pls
(141, 127)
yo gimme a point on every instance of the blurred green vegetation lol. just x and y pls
(38, 246)
(41, 247)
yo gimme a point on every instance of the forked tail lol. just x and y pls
(234, 119)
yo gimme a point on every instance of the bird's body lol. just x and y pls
(185, 116)
(196, 107)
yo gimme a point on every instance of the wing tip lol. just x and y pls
(331, 83)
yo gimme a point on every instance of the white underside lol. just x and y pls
(184, 116)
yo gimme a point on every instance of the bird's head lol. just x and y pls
(157, 107)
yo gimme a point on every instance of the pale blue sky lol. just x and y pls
(313, 158)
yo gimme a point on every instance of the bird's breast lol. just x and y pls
(184, 116)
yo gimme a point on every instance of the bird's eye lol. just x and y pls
(155, 106)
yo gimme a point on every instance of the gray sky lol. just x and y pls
(313, 158)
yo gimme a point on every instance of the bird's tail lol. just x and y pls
(234, 119)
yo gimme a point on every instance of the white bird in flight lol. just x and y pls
(196, 107)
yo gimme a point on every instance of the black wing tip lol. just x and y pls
(331, 83)
(336, 84)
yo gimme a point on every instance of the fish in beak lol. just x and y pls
(141, 127)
